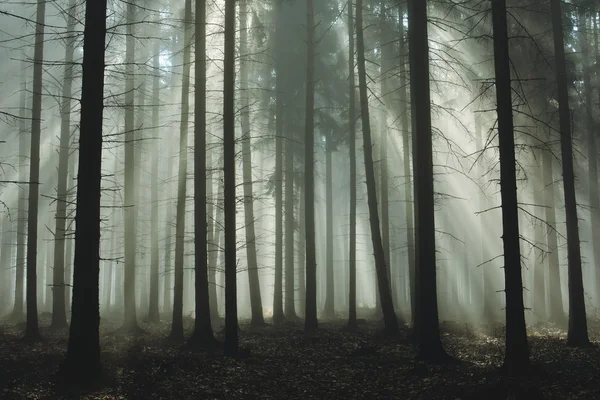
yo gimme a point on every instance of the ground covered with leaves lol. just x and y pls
(285, 364)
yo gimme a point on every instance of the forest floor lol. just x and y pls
(285, 364)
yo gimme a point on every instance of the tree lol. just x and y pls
(32, 329)
(578, 334)
(82, 361)
(203, 333)
(177, 323)
(352, 323)
(310, 313)
(59, 314)
(517, 351)
(385, 295)
(231, 323)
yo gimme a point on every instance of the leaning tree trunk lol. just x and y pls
(352, 323)
(203, 333)
(153, 310)
(311, 323)
(517, 351)
(32, 329)
(231, 322)
(578, 333)
(82, 362)
(59, 315)
(130, 317)
(385, 295)
(177, 323)
(253, 280)
(408, 187)
(278, 314)
(17, 313)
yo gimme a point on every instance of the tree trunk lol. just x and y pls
(278, 314)
(578, 333)
(203, 333)
(290, 309)
(32, 329)
(301, 253)
(213, 257)
(329, 312)
(17, 313)
(130, 313)
(387, 305)
(539, 264)
(82, 362)
(59, 315)
(69, 239)
(153, 310)
(311, 323)
(177, 323)
(352, 144)
(167, 286)
(408, 187)
(231, 322)
(517, 351)
(253, 279)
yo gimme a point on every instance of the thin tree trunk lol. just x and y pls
(17, 313)
(278, 315)
(578, 333)
(82, 362)
(177, 323)
(167, 295)
(311, 323)
(290, 309)
(231, 322)
(32, 329)
(387, 305)
(301, 253)
(253, 279)
(213, 256)
(539, 265)
(203, 333)
(408, 187)
(153, 311)
(517, 351)
(69, 239)
(130, 313)
(59, 315)
(329, 311)
(352, 323)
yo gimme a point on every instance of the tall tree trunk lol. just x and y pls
(408, 187)
(153, 311)
(167, 286)
(17, 313)
(301, 253)
(253, 280)
(69, 239)
(32, 329)
(329, 312)
(426, 317)
(290, 309)
(539, 264)
(59, 315)
(213, 256)
(352, 144)
(231, 322)
(385, 295)
(311, 323)
(592, 147)
(177, 323)
(203, 333)
(517, 351)
(278, 314)
(82, 362)
(5, 260)
(578, 333)
(556, 310)
(130, 313)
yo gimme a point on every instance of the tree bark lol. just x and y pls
(203, 333)
(253, 279)
(578, 332)
(59, 315)
(329, 311)
(387, 305)
(231, 322)
(177, 323)
(516, 357)
(32, 329)
(352, 323)
(82, 362)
